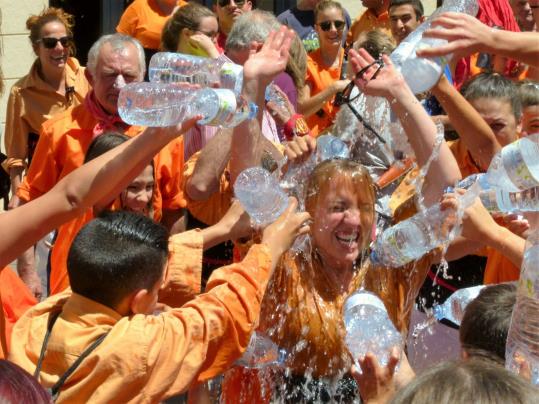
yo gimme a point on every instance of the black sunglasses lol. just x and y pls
(326, 25)
(345, 97)
(224, 3)
(50, 42)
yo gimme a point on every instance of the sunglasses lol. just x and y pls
(224, 3)
(50, 42)
(326, 25)
(345, 97)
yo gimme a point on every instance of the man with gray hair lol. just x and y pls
(113, 61)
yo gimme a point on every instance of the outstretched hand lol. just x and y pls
(271, 59)
(375, 80)
(465, 35)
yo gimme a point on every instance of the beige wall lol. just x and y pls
(17, 55)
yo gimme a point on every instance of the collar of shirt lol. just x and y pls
(33, 80)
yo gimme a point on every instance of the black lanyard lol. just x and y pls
(55, 389)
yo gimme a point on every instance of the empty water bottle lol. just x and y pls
(516, 167)
(259, 193)
(368, 327)
(273, 95)
(158, 104)
(261, 352)
(422, 74)
(453, 308)
(169, 67)
(522, 348)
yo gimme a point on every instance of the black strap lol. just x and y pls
(55, 389)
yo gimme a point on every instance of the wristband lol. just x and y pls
(296, 126)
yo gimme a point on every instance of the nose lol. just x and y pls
(144, 197)
(400, 25)
(351, 216)
(119, 82)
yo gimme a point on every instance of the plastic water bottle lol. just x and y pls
(522, 347)
(453, 308)
(498, 200)
(261, 352)
(516, 167)
(368, 327)
(260, 195)
(422, 74)
(169, 67)
(158, 104)
(274, 96)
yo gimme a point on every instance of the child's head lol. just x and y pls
(404, 17)
(471, 381)
(376, 42)
(496, 99)
(529, 97)
(137, 197)
(118, 260)
(484, 327)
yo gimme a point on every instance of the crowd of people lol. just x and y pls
(156, 277)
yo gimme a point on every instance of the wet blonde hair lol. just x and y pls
(35, 23)
(336, 172)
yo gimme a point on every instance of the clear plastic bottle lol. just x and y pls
(274, 96)
(498, 200)
(158, 104)
(522, 347)
(261, 352)
(169, 67)
(422, 74)
(368, 327)
(260, 195)
(453, 308)
(516, 167)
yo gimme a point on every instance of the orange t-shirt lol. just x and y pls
(318, 78)
(368, 22)
(144, 20)
(16, 298)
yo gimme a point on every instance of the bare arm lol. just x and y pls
(81, 189)
(472, 129)
(419, 127)
(309, 105)
(466, 35)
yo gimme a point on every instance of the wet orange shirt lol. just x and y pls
(31, 102)
(144, 20)
(318, 78)
(16, 299)
(368, 22)
(145, 358)
(61, 149)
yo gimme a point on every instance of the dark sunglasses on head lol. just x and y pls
(224, 3)
(326, 25)
(50, 42)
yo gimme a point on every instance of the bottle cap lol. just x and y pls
(253, 110)
(363, 298)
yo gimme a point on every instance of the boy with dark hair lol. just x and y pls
(101, 342)
(484, 327)
(404, 17)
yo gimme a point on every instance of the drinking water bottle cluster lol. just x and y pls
(422, 74)
(453, 308)
(368, 327)
(522, 347)
(264, 198)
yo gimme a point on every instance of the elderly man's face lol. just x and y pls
(114, 69)
(228, 10)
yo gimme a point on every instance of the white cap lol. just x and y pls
(363, 298)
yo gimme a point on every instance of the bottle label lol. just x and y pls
(227, 107)
(516, 167)
(231, 77)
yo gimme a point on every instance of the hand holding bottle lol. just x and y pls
(300, 149)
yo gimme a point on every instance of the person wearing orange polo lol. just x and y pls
(375, 17)
(113, 61)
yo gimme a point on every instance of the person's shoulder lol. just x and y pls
(283, 18)
(72, 118)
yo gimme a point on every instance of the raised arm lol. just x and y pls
(419, 128)
(466, 35)
(81, 189)
(472, 129)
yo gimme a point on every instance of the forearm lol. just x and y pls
(522, 46)
(309, 105)
(508, 243)
(15, 176)
(472, 129)
(210, 166)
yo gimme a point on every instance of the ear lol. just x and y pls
(248, 6)
(464, 354)
(139, 301)
(422, 19)
(89, 76)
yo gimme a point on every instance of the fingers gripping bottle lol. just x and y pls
(159, 105)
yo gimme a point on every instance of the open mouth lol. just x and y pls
(347, 239)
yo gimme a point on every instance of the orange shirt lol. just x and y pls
(15, 298)
(318, 78)
(61, 149)
(368, 21)
(31, 102)
(145, 358)
(144, 20)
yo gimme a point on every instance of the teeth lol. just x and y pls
(348, 238)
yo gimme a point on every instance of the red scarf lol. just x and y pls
(105, 121)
